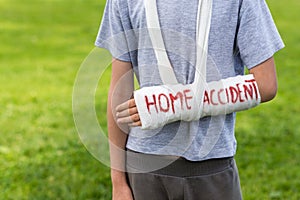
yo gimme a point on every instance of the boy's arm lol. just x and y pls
(266, 78)
(121, 88)
(264, 74)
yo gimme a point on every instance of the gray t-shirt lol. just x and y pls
(242, 34)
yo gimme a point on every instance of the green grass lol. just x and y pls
(43, 43)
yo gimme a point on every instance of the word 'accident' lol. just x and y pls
(213, 96)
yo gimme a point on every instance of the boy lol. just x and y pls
(242, 33)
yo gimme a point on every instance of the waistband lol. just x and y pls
(174, 166)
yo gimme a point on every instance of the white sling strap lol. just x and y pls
(164, 65)
(202, 34)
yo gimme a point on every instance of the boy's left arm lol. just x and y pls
(264, 74)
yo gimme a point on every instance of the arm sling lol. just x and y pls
(172, 101)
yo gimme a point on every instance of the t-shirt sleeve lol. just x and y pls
(257, 37)
(112, 32)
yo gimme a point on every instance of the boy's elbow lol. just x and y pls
(265, 76)
(272, 93)
(269, 92)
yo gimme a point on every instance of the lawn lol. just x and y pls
(44, 42)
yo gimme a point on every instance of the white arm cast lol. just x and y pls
(160, 105)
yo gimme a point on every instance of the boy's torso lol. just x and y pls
(178, 24)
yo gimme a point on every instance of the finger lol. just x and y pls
(127, 112)
(135, 124)
(128, 120)
(127, 104)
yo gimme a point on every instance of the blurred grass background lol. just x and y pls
(43, 43)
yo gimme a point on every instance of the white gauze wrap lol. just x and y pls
(230, 95)
(160, 105)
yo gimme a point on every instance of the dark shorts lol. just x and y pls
(215, 179)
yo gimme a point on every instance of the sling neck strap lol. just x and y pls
(163, 62)
(202, 34)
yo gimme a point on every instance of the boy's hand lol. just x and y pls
(127, 113)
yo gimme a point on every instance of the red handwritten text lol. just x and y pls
(237, 93)
(165, 102)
